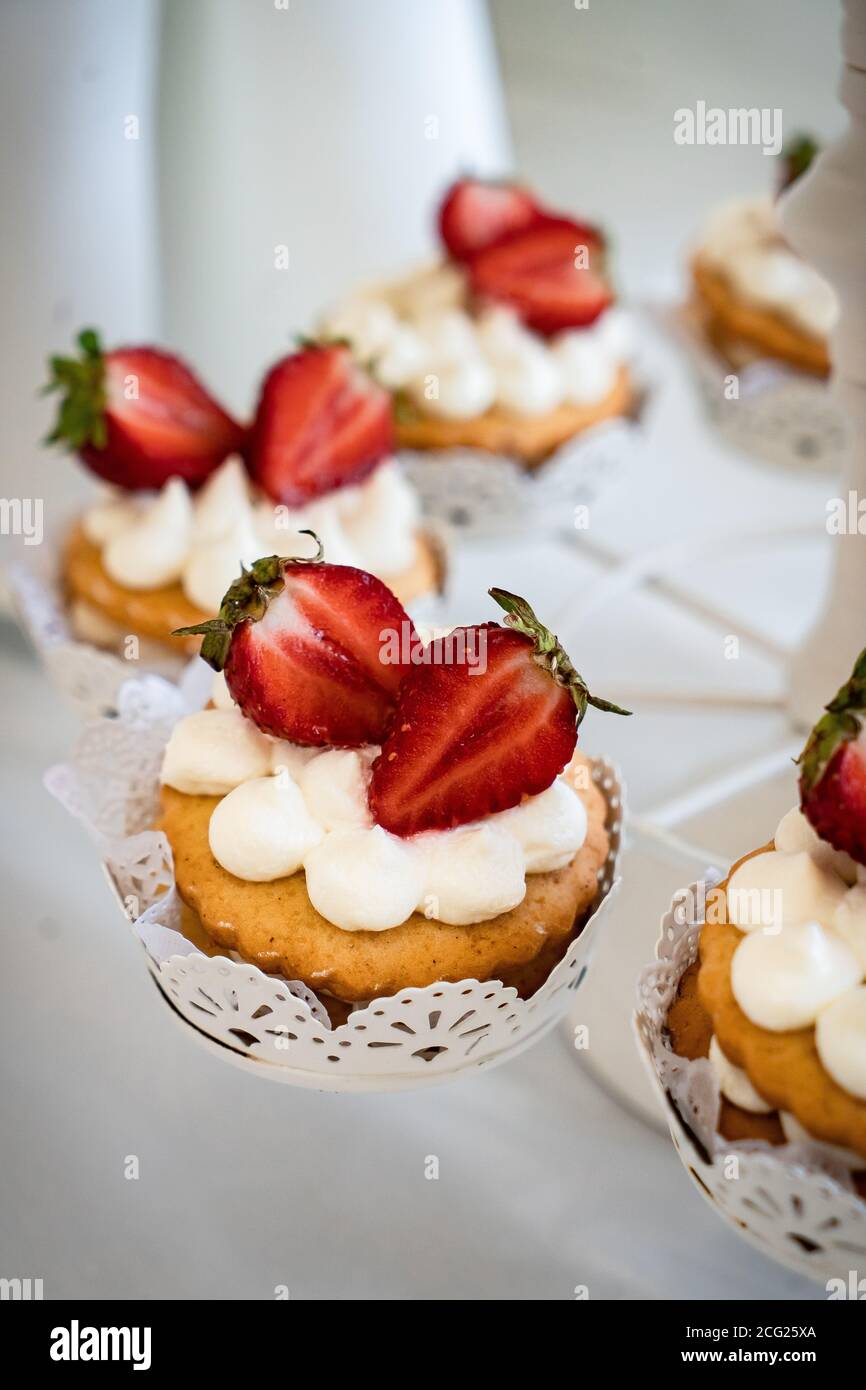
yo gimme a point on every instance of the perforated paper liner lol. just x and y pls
(793, 1201)
(274, 1027)
(781, 416)
(479, 493)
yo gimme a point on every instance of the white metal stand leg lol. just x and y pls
(824, 215)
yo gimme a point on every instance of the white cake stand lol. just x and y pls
(824, 216)
(678, 840)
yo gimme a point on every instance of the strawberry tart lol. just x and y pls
(363, 811)
(191, 495)
(777, 1000)
(754, 296)
(510, 343)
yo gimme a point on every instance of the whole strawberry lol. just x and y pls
(138, 416)
(469, 739)
(312, 652)
(833, 769)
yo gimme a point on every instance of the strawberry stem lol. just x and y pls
(246, 599)
(797, 155)
(550, 654)
(81, 415)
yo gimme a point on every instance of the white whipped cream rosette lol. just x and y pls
(742, 239)
(88, 674)
(200, 540)
(795, 1201)
(419, 326)
(268, 1025)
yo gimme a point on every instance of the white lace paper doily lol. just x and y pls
(475, 493)
(85, 675)
(792, 1201)
(781, 416)
(271, 1026)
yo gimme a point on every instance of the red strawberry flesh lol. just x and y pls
(312, 652)
(465, 745)
(475, 214)
(833, 769)
(321, 424)
(539, 273)
(836, 807)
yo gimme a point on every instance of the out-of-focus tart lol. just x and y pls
(192, 496)
(777, 1000)
(754, 296)
(511, 343)
(366, 812)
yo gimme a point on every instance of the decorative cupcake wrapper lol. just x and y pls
(89, 676)
(793, 1201)
(781, 416)
(270, 1026)
(477, 493)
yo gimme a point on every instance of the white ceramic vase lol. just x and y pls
(303, 149)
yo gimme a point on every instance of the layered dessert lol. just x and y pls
(365, 811)
(511, 342)
(756, 298)
(777, 999)
(190, 495)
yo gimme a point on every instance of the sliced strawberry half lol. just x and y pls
(833, 769)
(470, 740)
(475, 214)
(312, 652)
(138, 416)
(551, 274)
(321, 424)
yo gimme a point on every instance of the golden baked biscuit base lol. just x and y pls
(275, 926)
(690, 1030)
(155, 613)
(530, 438)
(785, 1067)
(732, 323)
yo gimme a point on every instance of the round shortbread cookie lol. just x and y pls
(275, 926)
(155, 613)
(731, 322)
(530, 438)
(783, 1067)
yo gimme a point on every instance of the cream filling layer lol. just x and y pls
(743, 241)
(420, 338)
(802, 959)
(202, 539)
(285, 808)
